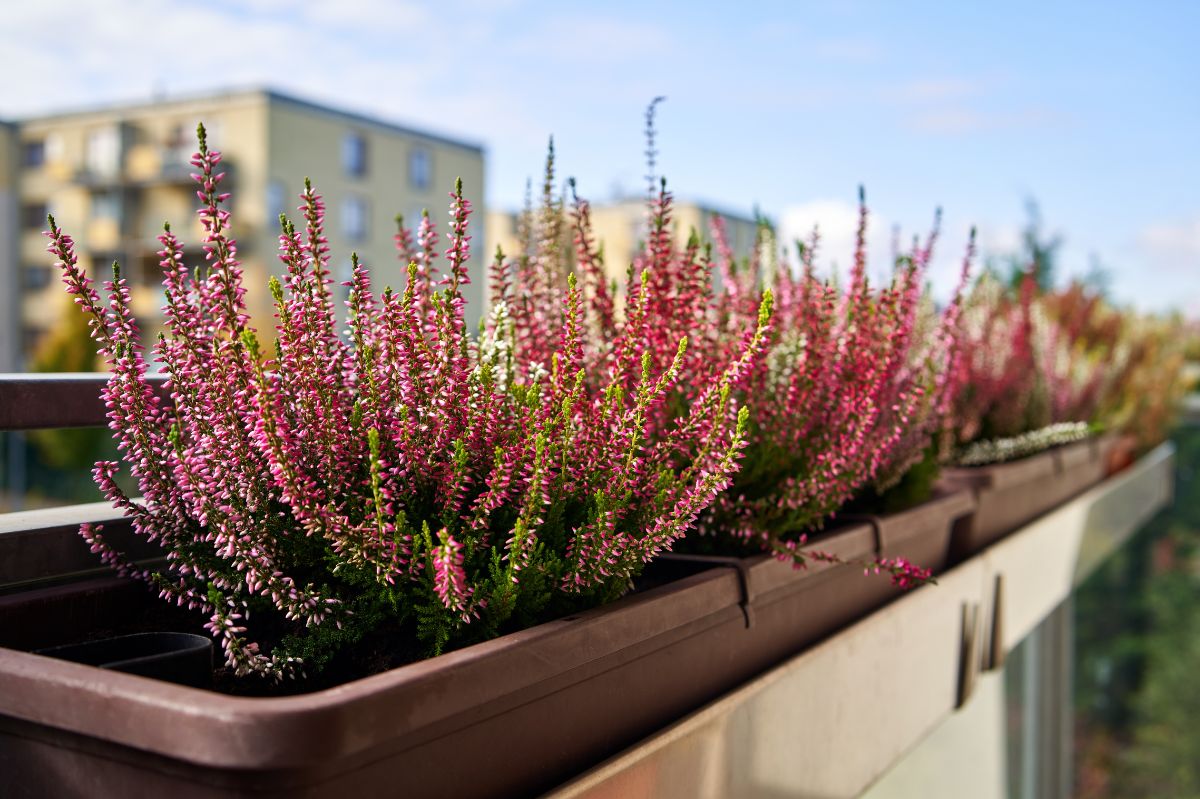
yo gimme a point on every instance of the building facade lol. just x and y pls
(621, 228)
(112, 176)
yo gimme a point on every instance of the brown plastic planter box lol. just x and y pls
(788, 609)
(922, 534)
(510, 717)
(1010, 495)
(1119, 451)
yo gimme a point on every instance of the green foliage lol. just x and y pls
(1039, 252)
(58, 462)
(1138, 652)
(913, 488)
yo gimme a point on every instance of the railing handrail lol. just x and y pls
(41, 546)
(37, 400)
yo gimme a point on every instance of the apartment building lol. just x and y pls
(621, 228)
(112, 175)
(9, 298)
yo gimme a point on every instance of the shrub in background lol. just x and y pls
(1143, 400)
(1035, 367)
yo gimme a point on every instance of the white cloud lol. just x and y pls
(1174, 244)
(384, 14)
(849, 49)
(958, 121)
(595, 40)
(1163, 268)
(999, 239)
(837, 223)
(931, 90)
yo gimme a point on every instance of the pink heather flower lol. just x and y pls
(904, 574)
(449, 579)
(1032, 359)
(843, 387)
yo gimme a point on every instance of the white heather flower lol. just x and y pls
(1006, 449)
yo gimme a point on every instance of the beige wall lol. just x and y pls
(156, 141)
(500, 230)
(304, 142)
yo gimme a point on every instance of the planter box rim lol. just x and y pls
(225, 731)
(1037, 466)
(766, 578)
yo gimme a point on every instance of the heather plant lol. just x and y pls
(852, 392)
(1081, 351)
(1143, 399)
(1033, 365)
(398, 478)
(998, 367)
(855, 396)
(667, 298)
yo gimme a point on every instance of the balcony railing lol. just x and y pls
(36, 401)
(43, 546)
(170, 171)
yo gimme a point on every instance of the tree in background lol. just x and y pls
(1039, 252)
(60, 460)
(1137, 650)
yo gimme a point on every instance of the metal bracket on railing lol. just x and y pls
(995, 649)
(876, 527)
(968, 653)
(739, 565)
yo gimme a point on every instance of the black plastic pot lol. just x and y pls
(181, 658)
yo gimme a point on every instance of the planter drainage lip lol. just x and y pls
(770, 579)
(400, 708)
(175, 657)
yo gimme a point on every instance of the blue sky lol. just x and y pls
(1093, 108)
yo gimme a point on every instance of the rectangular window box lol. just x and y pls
(1012, 494)
(788, 608)
(526, 711)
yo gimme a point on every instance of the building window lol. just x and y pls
(31, 337)
(35, 278)
(33, 215)
(420, 168)
(102, 153)
(143, 270)
(354, 154)
(354, 218)
(276, 200)
(33, 153)
(53, 145)
(107, 205)
(177, 152)
(102, 263)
